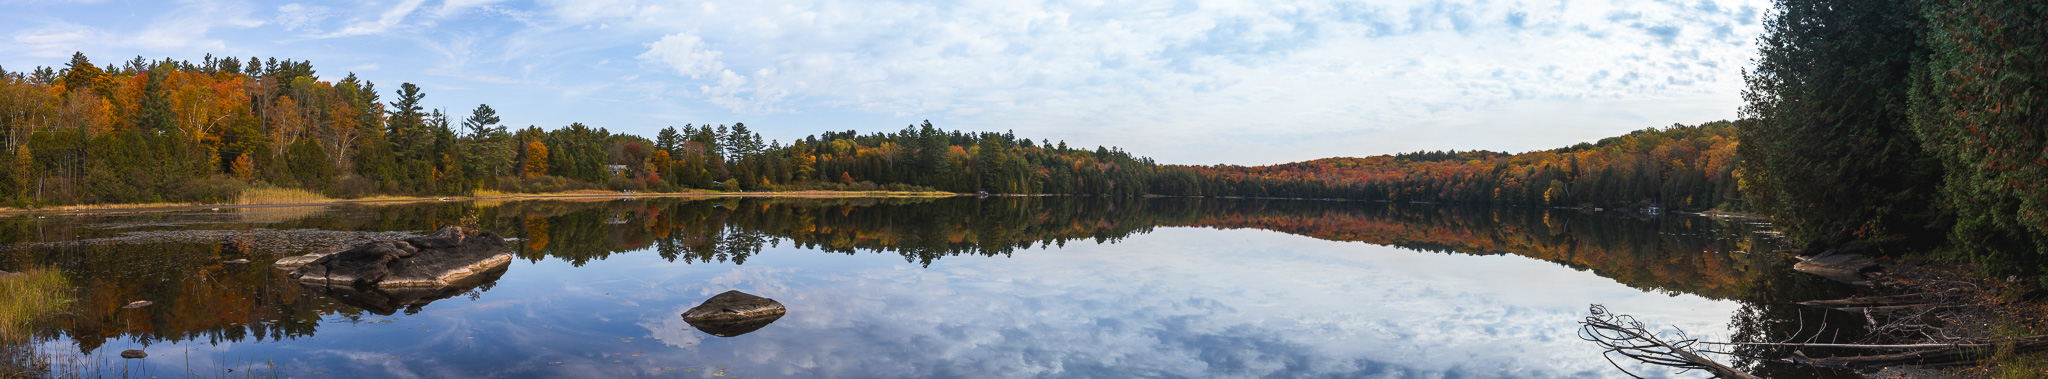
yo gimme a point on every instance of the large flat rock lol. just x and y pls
(384, 276)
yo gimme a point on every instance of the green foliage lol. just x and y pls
(1875, 119)
(1828, 153)
(308, 166)
(1979, 107)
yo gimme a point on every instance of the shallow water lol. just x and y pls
(960, 287)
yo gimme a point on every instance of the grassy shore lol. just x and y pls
(276, 197)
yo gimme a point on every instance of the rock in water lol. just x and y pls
(734, 313)
(384, 276)
(134, 354)
(435, 260)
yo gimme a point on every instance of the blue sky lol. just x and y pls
(1192, 82)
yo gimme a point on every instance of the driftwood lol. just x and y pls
(1942, 355)
(1878, 301)
(1922, 354)
(1623, 335)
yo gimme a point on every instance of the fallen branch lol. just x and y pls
(1877, 301)
(1623, 335)
(1971, 344)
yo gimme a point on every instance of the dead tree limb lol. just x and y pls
(1623, 335)
(1878, 301)
(1922, 354)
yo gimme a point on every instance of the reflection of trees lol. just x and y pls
(1768, 314)
(200, 298)
(1705, 256)
(1698, 255)
(197, 296)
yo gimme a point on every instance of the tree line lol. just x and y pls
(179, 131)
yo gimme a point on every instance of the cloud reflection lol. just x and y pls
(1183, 303)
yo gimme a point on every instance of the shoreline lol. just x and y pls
(590, 194)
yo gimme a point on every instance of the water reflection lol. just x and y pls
(1197, 328)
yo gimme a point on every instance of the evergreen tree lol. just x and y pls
(1828, 153)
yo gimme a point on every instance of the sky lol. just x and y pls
(1187, 82)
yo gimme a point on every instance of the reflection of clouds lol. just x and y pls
(1179, 303)
(672, 331)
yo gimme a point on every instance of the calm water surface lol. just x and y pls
(959, 287)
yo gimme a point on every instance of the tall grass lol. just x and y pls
(26, 297)
(30, 295)
(274, 195)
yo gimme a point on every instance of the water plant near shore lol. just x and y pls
(27, 296)
(24, 298)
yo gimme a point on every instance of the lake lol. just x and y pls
(953, 287)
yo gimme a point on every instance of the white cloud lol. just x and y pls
(686, 54)
(296, 16)
(451, 8)
(385, 21)
(186, 26)
(56, 41)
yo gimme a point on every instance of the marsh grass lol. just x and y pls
(28, 296)
(272, 195)
(25, 298)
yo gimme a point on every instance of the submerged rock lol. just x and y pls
(734, 313)
(384, 276)
(134, 354)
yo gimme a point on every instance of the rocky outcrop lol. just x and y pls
(733, 313)
(440, 259)
(384, 276)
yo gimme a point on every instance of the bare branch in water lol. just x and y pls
(1623, 335)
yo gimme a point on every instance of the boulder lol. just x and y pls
(384, 276)
(733, 313)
